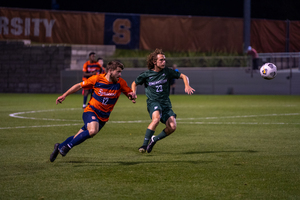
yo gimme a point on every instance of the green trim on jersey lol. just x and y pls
(157, 84)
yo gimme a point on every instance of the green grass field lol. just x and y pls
(225, 147)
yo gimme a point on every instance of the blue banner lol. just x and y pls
(122, 31)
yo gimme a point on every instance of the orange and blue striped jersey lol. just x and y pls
(105, 96)
(103, 70)
(91, 67)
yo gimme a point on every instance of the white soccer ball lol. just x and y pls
(268, 71)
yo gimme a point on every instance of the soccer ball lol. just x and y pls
(268, 71)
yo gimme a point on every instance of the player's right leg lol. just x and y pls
(154, 110)
(85, 94)
(57, 146)
(149, 133)
(155, 116)
(54, 153)
(64, 147)
(91, 128)
(170, 128)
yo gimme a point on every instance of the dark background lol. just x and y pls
(262, 9)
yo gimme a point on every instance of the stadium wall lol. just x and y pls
(214, 81)
(32, 68)
(46, 69)
(27, 68)
(144, 32)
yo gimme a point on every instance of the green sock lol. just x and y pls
(148, 135)
(160, 136)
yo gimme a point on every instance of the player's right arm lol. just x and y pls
(138, 81)
(133, 87)
(72, 90)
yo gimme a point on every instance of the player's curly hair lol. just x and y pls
(113, 65)
(152, 57)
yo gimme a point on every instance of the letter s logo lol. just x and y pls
(121, 28)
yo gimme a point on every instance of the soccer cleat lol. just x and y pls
(54, 153)
(83, 106)
(143, 149)
(64, 150)
(151, 144)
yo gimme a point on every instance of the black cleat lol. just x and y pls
(64, 150)
(54, 153)
(151, 144)
(143, 149)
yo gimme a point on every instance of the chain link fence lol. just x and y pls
(208, 61)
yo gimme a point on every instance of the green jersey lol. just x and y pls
(157, 84)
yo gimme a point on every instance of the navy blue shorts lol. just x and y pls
(89, 117)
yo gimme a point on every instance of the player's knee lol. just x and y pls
(155, 121)
(172, 127)
(93, 132)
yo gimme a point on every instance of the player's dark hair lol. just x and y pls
(99, 59)
(152, 57)
(113, 65)
(92, 53)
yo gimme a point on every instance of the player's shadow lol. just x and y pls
(204, 152)
(134, 163)
(84, 162)
(163, 162)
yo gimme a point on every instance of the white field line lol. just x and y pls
(18, 115)
(119, 122)
(240, 123)
(40, 126)
(241, 116)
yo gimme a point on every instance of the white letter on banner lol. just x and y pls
(48, 26)
(4, 25)
(15, 23)
(36, 31)
(27, 27)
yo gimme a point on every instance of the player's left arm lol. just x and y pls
(187, 88)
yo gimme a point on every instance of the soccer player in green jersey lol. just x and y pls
(157, 88)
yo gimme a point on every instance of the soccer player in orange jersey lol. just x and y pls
(90, 68)
(107, 89)
(101, 62)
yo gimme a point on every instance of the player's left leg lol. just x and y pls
(171, 125)
(173, 88)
